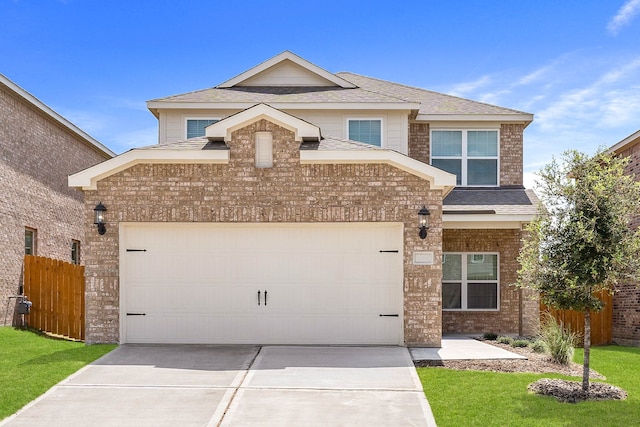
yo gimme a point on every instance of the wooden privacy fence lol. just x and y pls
(56, 289)
(601, 322)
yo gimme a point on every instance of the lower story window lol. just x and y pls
(29, 241)
(470, 281)
(75, 252)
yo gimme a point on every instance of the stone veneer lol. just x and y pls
(519, 311)
(36, 155)
(626, 300)
(287, 192)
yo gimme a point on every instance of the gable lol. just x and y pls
(286, 69)
(286, 73)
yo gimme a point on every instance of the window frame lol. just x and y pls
(34, 240)
(263, 150)
(186, 124)
(464, 282)
(75, 243)
(464, 158)
(380, 119)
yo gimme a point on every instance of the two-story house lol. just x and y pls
(39, 213)
(626, 299)
(294, 205)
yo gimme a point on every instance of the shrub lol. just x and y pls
(490, 336)
(504, 340)
(538, 346)
(520, 343)
(559, 341)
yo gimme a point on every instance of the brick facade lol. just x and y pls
(511, 160)
(519, 312)
(36, 155)
(419, 142)
(287, 192)
(626, 300)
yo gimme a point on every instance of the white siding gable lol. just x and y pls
(286, 73)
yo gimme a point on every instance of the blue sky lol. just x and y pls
(574, 64)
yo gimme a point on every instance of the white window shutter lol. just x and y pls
(264, 150)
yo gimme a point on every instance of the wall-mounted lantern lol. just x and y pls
(423, 222)
(99, 211)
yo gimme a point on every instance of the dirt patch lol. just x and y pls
(538, 363)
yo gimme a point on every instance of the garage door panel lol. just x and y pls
(199, 283)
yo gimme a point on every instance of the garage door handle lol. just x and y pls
(389, 315)
(258, 297)
(393, 251)
(136, 314)
(265, 297)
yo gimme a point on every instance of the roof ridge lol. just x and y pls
(430, 91)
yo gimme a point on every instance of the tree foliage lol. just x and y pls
(581, 243)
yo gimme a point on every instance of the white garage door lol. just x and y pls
(261, 283)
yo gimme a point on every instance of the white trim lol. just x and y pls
(439, 179)
(383, 140)
(186, 119)
(634, 138)
(484, 221)
(464, 281)
(55, 116)
(225, 127)
(88, 178)
(264, 149)
(287, 55)
(523, 118)
(465, 158)
(174, 105)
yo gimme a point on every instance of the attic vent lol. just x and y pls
(264, 150)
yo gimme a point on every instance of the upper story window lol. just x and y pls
(368, 131)
(195, 127)
(472, 155)
(30, 236)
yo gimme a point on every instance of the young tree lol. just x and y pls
(581, 243)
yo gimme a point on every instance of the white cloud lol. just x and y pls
(624, 16)
(462, 89)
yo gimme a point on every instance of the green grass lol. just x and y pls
(472, 398)
(30, 364)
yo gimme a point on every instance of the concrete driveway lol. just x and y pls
(196, 385)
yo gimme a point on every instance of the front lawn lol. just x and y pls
(30, 364)
(473, 398)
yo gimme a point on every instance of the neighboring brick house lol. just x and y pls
(39, 213)
(626, 299)
(282, 206)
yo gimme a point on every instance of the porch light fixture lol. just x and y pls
(423, 221)
(99, 211)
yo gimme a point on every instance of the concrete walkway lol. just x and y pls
(236, 385)
(462, 348)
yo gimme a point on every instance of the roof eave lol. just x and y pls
(155, 106)
(629, 141)
(92, 142)
(523, 118)
(486, 221)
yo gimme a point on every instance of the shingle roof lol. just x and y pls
(202, 143)
(517, 201)
(268, 95)
(430, 102)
